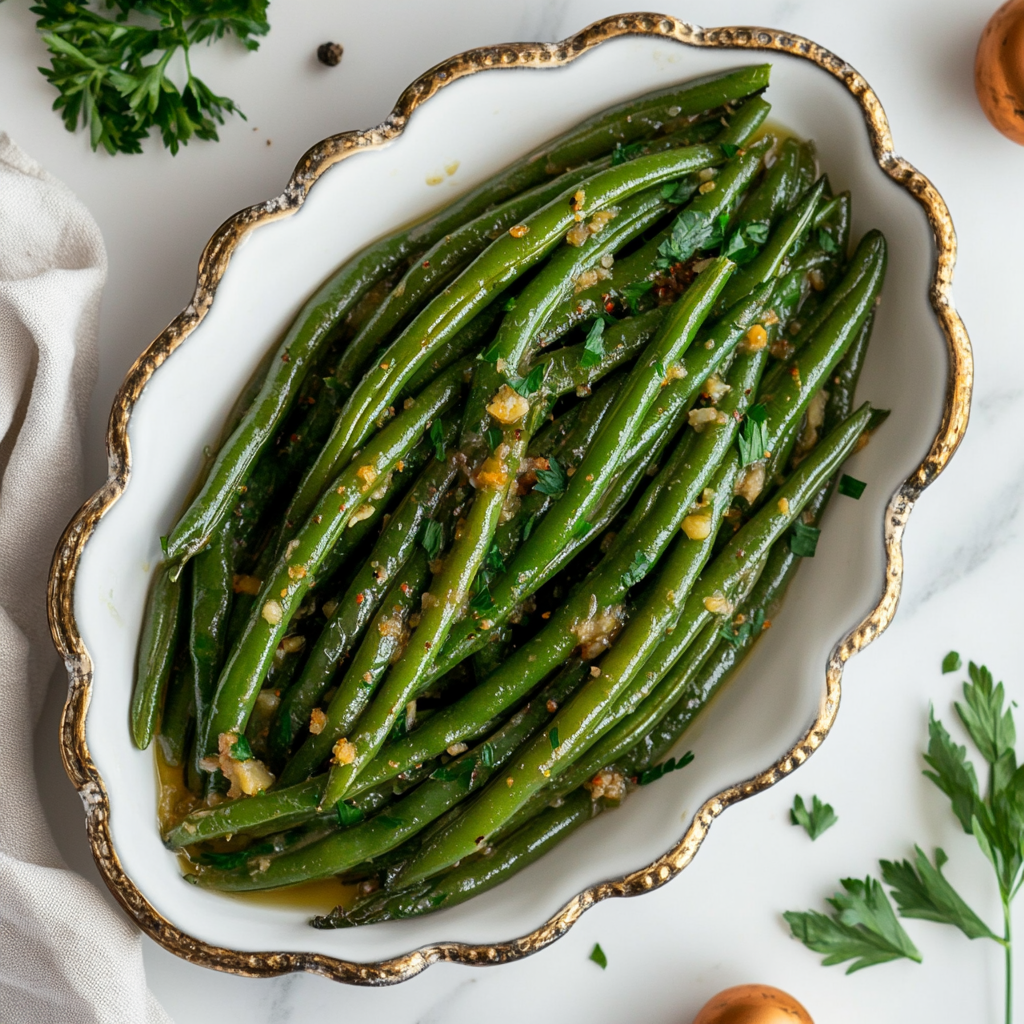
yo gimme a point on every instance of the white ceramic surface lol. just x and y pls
(481, 123)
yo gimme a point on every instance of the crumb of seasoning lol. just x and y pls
(270, 142)
(330, 54)
(519, 230)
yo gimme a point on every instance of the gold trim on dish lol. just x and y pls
(214, 261)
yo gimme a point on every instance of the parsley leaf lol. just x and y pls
(531, 382)
(655, 772)
(951, 663)
(637, 570)
(862, 928)
(826, 241)
(105, 81)
(593, 347)
(530, 524)
(633, 292)
(851, 486)
(551, 481)
(921, 890)
(597, 955)
(225, 861)
(817, 820)
(752, 438)
(487, 756)
(494, 436)
(679, 192)
(509, 304)
(437, 438)
(749, 629)
(952, 772)
(430, 538)
(803, 540)
(553, 738)
(457, 771)
(691, 230)
(482, 600)
(349, 814)
(729, 150)
(493, 561)
(622, 154)
(240, 749)
(991, 729)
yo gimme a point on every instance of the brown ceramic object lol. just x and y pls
(753, 1004)
(999, 70)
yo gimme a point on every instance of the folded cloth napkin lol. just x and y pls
(65, 955)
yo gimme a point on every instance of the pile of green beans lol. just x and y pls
(514, 496)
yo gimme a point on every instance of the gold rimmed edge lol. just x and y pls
(74, 750)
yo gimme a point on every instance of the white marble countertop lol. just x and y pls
(718, 924)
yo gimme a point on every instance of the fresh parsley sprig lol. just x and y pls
(995, 817)
(106, 80)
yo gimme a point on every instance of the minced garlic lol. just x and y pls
(750, 482)
(697, 526)
(508, 406)
(317, 721)
(361, 513)
(241, 584)
(715, 389)
(701, 418)
(608, 784)
(272, 612)
(719, 604)
(343, 752)
(247, 777)
(367, 474)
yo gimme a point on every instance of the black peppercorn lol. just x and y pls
(330, 54)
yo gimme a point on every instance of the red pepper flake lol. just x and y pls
(405, 588)
(426, 263)
(294, 439)
(609, 307)
(341, 508)
(311, 400)
(359, 598)
(427, 645)
(286, 358)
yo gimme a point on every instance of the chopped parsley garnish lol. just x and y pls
(691, 231)
(580, 527)
(679, 192)
(742, 245)
(487, 756)
(951, 663)
(593, 347)
(621, 154)
(551, 481)
(826, 241)
(820, 818)
(458, 771)
(749, 629)
(851, 486)
(597, 955)
(729, 150)
(349, 814)
(633, 292)
(655, 772)
(531, 382)
(553, 738)
(482, 600)
(509, 304)
(752, 438)
(226, 861)
(530, 524)
(437, 439)
(494, 436)
(430, 538)
(240, 749)
(390, 821)
(163, 545)
(637, 570)
(493, 561)
(803, 541)
(659, 369)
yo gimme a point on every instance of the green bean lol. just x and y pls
(448, 591)
(316, 323)
(502, 263)
(360, 600)
(777, 190)
(497, 804)
(375, 653)
(573, 727)
(444, 789)
(156, 654)
(285, 590)
(769, 261)
(466, 342)
(638, 395)
(475, 876)
(179, 710)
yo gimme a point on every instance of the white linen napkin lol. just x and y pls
(65, 955)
